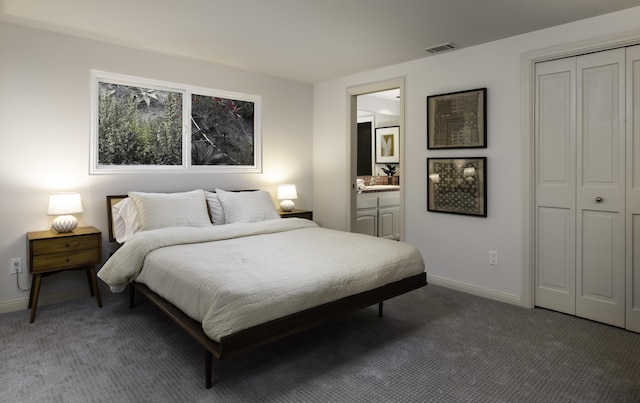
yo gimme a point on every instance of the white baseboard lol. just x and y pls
(475, 290)
(22, 303)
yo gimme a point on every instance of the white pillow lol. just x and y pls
(247, 206)
(125, 220)
(165, 210)
(215, 208)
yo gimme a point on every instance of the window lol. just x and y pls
(141, 125)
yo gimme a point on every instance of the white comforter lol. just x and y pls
(235, 276)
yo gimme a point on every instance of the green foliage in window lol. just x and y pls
(139, 126)
(222, 131)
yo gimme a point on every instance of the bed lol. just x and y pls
(227, 269)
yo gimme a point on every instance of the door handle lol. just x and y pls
(598, 199)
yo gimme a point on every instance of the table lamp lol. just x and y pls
(287, 193)
(63, 205)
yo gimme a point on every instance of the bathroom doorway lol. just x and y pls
(375, 106)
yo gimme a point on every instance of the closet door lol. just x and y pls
(555, 161)
(580, 188)
(633, 189)
(600, 187)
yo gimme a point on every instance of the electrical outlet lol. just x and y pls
(493, 257)
(15, 265)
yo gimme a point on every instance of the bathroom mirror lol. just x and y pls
(375, 110)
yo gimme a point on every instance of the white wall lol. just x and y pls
(44, 138)
(44, 145)
(455, 248)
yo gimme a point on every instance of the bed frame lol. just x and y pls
(270, 331)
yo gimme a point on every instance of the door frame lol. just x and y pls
(352, 129)
(528, 61)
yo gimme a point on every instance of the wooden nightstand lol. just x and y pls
(296, 213)
(51, 252)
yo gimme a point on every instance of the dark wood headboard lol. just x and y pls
(112, 201)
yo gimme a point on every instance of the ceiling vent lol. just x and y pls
(441, 48)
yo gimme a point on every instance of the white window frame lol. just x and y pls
(187, 91)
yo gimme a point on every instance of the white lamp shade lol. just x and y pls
(64, 203)
(287, 192)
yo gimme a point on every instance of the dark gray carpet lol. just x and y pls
(433, 344)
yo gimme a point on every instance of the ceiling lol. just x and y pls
(302, 40)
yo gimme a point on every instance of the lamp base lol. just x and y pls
(64, 223)
(287, 205)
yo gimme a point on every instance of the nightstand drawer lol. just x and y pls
(55, 261)
(66, 245)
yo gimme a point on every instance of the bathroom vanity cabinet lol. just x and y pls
(378, 214)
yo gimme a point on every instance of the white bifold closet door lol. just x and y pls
(580, 170)
(600, 187)
(555, 166)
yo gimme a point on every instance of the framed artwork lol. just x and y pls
(457, 185)
(388, 145)
(457, 120)
(143, 125)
